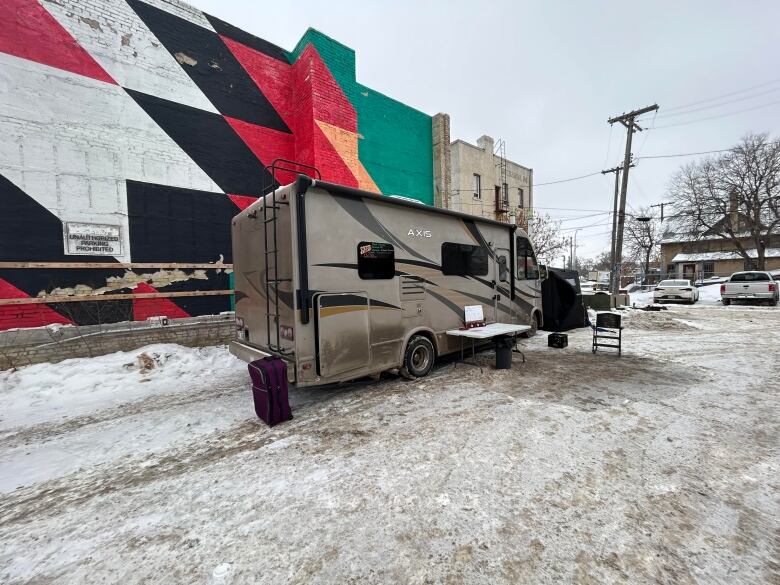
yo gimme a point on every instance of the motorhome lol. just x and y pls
(343, 283)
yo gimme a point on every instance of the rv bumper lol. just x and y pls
(245, 352)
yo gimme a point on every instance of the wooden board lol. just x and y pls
(110, 297)
(115, 265)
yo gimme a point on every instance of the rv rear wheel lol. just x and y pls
(419, 356)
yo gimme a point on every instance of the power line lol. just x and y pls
(582, 227)
(719, 115)
(718, 105)
(581, 216)
(569, 209)
(712, 99)
(649, 157)
(732, 149)
(567, 180)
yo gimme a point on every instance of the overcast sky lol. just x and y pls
(545, 76)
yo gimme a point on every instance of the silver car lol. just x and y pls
(676, 290)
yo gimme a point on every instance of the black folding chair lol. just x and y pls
(608, 327)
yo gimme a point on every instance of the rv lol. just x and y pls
(343, 283)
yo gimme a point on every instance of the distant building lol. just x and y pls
(483, 182)
(710, 255)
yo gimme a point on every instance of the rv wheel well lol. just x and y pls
(428, 334)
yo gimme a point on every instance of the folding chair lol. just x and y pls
(608, 326)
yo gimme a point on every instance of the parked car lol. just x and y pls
(753, 285)
(675, 290)
(630, 288)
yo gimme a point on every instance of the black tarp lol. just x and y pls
(562, 301)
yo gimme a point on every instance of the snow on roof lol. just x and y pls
(676, 238)
(700, 256)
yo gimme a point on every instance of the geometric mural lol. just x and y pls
(159, 119)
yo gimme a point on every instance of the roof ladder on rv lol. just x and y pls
(272, 280)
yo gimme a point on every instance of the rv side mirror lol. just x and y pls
(542, 271)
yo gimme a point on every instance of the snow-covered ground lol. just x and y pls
(659, 466)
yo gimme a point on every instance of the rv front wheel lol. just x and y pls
(534, 326)
(419, 357)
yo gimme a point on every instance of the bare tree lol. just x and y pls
(734, 196)
(546, 237)
(643, 238)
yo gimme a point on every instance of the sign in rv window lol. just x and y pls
(527, 268)
(376, 260)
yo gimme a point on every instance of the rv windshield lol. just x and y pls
(527, 268)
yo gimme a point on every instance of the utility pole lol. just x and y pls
(628, 120)
(574, 259)
(662, 267)
(571, 253)
(661, 205)
(615, 170)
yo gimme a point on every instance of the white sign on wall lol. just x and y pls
(93, 239)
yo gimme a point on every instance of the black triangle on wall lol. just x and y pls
(211, 65)
(209, 141)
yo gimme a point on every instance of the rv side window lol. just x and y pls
(463, 260)
(527, 268)
(376, 260)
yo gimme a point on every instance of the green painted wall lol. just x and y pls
(395, 143)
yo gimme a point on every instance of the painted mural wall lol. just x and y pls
(132, 131)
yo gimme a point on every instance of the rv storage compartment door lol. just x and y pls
(412, 296)
(343, 325)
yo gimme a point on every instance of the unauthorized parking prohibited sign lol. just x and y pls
(93, 239)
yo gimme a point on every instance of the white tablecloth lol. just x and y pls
(488, 331)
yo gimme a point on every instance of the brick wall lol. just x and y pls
(24, 347)
(158, 120)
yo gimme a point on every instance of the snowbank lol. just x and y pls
(42, 392)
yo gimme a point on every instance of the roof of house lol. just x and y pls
(704, 256)
(675, 238)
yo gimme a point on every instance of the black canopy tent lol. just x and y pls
(562, 301)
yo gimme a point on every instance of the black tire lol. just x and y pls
(534, 326)
(419, 357)
(726, 302)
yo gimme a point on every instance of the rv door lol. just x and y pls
(503, 276)
(343, 332)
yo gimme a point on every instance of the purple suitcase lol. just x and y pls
(269, 390)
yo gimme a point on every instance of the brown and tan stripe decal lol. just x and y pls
(346, 303)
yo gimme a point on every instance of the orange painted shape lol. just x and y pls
(346, 144)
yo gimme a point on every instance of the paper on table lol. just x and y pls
(474, 313)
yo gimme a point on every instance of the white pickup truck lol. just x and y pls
(750, 286)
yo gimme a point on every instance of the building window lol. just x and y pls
(671, 270)
(463, 260)
(505, 195)
(376, 260)
(520, 197)
(477, 186)
(527, 268)
(707, 269)
(750, 265)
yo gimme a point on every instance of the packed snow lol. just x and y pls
(43, 392)
(658, 466)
